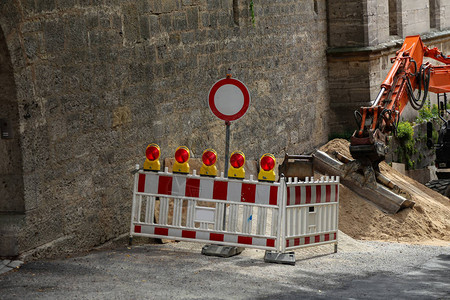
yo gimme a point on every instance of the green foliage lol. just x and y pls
(405, 134)
(405, 131)
(435, 110)
(252, 12)
(428, 113)
(425, 115)
(435, 136)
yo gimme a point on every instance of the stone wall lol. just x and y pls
(415, 17)
(443, 10)
(98, 80)
(358, 23)
(11, 182)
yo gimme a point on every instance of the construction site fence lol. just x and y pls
(274, 216)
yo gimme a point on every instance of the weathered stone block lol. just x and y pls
(179, 21)
(32, 43)
(131, 22)
(76, 33)
(154, 24)
(166, 22)
(54, 36)
(213, 4)
(45, 6)
(144, 27)
(29, 7)
(192, 17)
(64, 4)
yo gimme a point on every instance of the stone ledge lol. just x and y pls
(388, 46)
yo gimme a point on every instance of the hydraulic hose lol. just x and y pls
(423, 78)
(358, 118)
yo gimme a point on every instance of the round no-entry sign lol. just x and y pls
(229, 99)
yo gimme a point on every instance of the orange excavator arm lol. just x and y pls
(408, 81)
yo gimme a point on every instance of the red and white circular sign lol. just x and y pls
(229, 99)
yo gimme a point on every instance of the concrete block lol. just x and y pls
(221, 251)
(399, 167)
(280, 258)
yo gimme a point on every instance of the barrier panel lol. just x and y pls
(222, 211)
(312, 211)
(276, 216)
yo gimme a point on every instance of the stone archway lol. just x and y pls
(12, 207)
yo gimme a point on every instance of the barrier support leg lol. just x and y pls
(221, 251)
(130, 240)
(287, 258)
(335, 248)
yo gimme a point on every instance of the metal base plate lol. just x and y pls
(287, 258)
(221, 251)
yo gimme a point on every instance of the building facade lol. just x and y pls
(87, 84)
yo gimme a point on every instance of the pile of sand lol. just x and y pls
(428, 222)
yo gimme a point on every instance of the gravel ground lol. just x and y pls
(360, 270)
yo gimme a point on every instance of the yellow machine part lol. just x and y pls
(152, 165)
(266, 175)
(236, 173)
(208, 170)
(181, 168)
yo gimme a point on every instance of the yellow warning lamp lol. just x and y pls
(209, 158)
(181, 164)
(153, 152)
(267, 166)
(237, 161)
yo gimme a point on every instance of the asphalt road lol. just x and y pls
(360, 270)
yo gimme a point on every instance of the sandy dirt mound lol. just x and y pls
(427, 223)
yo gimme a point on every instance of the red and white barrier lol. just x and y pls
(224, 211)
(311, 212)
(196, 187)
(277, 216)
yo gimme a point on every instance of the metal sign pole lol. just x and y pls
(227, 147)
(227, 143)
(227, 154)
(228, 105)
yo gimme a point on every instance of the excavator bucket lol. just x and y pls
(300, 166)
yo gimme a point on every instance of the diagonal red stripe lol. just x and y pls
(220, 190)
(161, 231)
(308, 194)
(192, 187)
(328, 193)
(248, 193)
(216, 237)
(273, 198)
(245, 240)
(318, 193)
(141, 183)
(270, 243)
(188, 234)
(288, 196)
(297, 195)
(165, 185)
